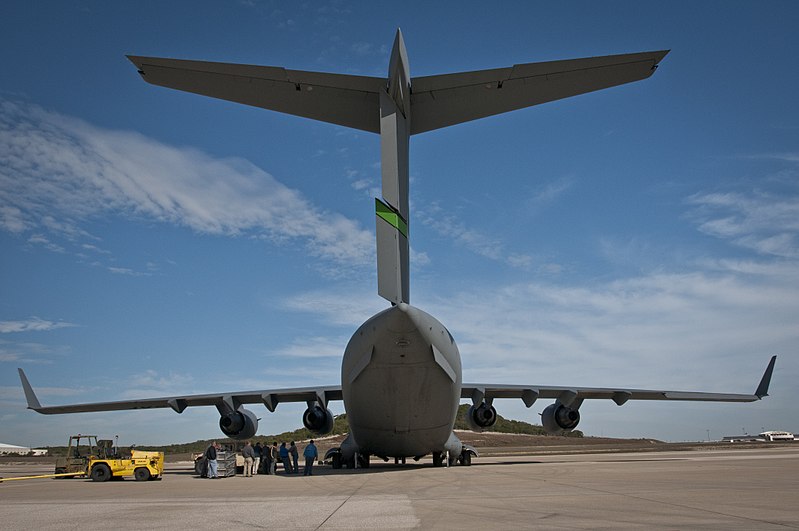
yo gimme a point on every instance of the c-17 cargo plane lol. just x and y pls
(401, 378)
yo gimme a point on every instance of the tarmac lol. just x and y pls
(702, 489)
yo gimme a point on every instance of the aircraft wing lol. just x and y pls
(444, 100)
(223, 401)
(351, 101)
(571, 395)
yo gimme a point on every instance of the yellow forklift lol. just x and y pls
(110, 464)
(101, 460)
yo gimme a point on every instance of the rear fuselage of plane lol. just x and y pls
(401, 384)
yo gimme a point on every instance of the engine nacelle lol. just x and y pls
(481, 417)
(558, 419)
(318, 419)
(241, 424)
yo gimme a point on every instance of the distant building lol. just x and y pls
(10, 449)
(766, 436)
(772, 436)
(743, 438)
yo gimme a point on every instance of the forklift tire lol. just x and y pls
(101, 472)
(141, 474)
(61, 471)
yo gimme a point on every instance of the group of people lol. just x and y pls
(260, 459)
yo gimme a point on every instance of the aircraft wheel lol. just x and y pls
(466, 458)
(141, 474)
(101, 472)
(363, 460)
(336, 461)
(438, 459)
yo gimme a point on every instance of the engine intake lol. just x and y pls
(559, 419)
(318, 419)
(481, 417)
(240, 424)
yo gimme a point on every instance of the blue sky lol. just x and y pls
(156, 242)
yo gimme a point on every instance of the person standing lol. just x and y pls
(284, 458)
(273, 456)
(249, 456)
(210, 457)
(256, 467)
(294, 458)
(310, 454)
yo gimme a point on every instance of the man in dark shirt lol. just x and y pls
(210, 456)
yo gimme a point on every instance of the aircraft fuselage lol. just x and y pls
(401, 384)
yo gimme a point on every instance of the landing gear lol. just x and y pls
(465, 459)
(438, 459)
(335, 461)
(358, 461)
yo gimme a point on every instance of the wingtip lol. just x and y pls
(30, 396)
(765, 381)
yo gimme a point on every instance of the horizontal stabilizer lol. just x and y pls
(351, 101)
(444, 100)
(436, 101)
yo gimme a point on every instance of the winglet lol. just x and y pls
(30, 396)
(762, 389)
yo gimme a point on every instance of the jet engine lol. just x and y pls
(318, 419)
(559, 419)
(481, 417)
(240, 424)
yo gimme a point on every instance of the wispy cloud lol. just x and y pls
(57, 173)
(151, 383)
(346, 306)
(314, 347)
(478, 242)
(758, 221)
(551, 191)
(663, 330)
(32, 324)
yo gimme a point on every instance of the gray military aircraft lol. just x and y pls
(401, 373)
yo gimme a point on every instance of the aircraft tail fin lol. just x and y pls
(393, 279)
(393, 250)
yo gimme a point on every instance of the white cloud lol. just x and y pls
(127, 271)
(550, 192)
(348, 307)
(12, 220)
(315, 347)
(58, 172)
(764, 223)
(33, 324)
(707, 331)
(151, 383)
